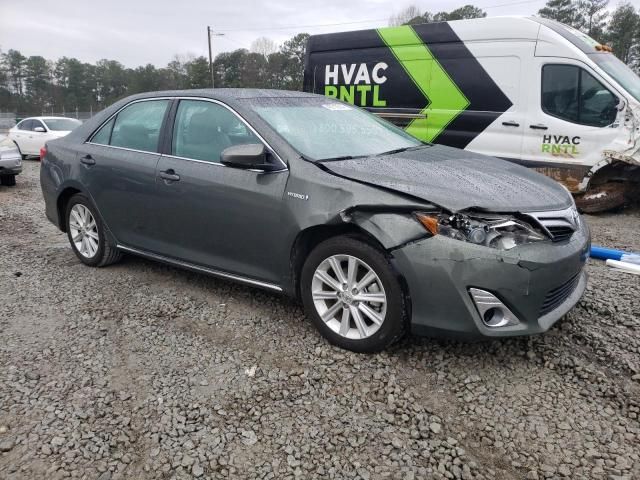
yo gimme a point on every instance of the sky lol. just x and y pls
(138, 32)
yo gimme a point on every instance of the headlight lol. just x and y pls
(502, 232)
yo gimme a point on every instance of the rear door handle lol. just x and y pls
(510, 124)
(170, 175)
(88, 160)
(539, 127)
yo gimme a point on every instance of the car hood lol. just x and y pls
(457, 180)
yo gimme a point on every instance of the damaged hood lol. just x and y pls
(457, 180)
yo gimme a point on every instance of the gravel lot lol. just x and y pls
(145, 371)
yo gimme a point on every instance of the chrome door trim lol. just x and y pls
(198, 268)
(212, 100)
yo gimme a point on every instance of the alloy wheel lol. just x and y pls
(349, 296)
(84, 230)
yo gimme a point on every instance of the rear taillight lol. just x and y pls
(43, 152)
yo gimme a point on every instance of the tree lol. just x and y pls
(13, 62)
(405, 16)
(622, 33)
(463, 13)
(294, 51)
(264, 46)
(594, 16)
(563, 11)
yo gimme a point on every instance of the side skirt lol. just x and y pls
(198, 268)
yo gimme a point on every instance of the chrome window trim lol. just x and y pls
(191, 266)
(116, 113)
(285, 167)
(218, 164)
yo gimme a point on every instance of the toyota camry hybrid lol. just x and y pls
(374, 231)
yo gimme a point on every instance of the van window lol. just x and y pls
(204, 129)
(138, 125)
(574, 95)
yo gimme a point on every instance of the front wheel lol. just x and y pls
(86, 234)
(353, 296)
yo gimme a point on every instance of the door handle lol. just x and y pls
(510, 124)
(88, 160)
(539, 127)
(170, 175)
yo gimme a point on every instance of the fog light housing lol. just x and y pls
(493, 312)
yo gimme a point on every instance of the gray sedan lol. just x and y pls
(374, 231)
(10, 162)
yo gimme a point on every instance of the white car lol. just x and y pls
(32, 133)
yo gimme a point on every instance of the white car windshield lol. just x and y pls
(61, 124)
(323, 129)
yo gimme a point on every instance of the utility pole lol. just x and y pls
(209, 33)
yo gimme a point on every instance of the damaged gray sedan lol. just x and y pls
(377, 233)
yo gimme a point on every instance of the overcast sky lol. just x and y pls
(137, 32)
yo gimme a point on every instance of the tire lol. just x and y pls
(8, 180)
(602, 198)
(94, 250)
(359, 332)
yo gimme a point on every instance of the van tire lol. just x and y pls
(601, 198)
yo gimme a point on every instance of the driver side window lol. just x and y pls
(574, 95)
(202, 130)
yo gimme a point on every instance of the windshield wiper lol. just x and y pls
(399, 150)
(344, 157)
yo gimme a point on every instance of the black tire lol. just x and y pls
(601, 198)
(106, 253)
(8, 180)
(395, 320)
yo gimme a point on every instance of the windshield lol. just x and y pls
(61, 124)
(620, 72)
(322, 129)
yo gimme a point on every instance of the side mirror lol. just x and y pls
(39, 129)
(252, 156)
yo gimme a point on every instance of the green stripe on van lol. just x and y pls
(444, 99)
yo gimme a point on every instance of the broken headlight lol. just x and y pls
(501, 232)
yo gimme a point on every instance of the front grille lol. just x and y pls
(559, 232)
(559, 294)
(559, 225)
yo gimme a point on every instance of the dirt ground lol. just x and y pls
(141, 371)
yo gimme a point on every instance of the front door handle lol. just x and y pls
(88, 160)
(170, 175)
(539, 127)
(510, 124)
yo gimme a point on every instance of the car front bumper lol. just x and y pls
(10, 166)
(439, 272)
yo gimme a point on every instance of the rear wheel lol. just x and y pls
(8, 180)
(353, 296)
(86, 234)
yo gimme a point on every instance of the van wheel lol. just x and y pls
(8, 180)
(353, 296)
(85, 231)
(602, 198)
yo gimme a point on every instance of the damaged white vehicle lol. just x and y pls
(529, 90)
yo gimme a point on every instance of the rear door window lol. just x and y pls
(138, 126)
(573, 94)
(203, 130)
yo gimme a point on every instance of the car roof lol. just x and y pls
(226, 93)
(48, 118)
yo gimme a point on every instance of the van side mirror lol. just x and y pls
(251, 156)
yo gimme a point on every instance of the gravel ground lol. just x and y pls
(143, 371)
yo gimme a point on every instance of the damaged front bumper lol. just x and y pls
(539, 283)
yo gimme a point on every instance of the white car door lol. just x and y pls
(573, 115)
(37, 139)
(21, 135)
